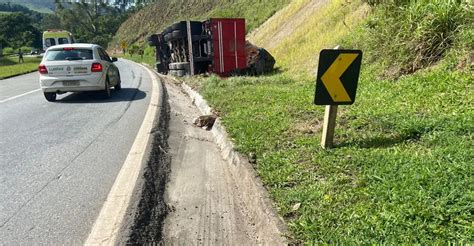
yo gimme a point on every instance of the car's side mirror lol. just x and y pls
(114, 59)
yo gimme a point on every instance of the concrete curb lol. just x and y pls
(114, 215)
(271, 227)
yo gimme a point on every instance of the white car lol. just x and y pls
(77, 67)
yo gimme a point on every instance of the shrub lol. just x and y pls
(25, 49)
(7, 51)
(410, 35)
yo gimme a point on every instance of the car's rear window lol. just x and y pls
(69, 55)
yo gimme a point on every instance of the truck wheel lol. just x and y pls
(167, 30)
(178, 34)
(180, 73)
(168, 37)
(196, 27)
(50, 96)
(179, 66)
(182, 65)
(180, 26)
(173, 73)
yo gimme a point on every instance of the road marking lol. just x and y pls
(15, 97)
(331, 78)
(107, 226)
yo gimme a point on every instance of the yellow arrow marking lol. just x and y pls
(331, 78)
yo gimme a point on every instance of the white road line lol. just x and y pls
(109, 222)
(15, 97)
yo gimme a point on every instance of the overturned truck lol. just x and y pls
(216, 45)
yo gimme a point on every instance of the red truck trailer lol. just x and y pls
(216, 45)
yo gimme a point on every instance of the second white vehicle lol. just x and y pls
(77, 67)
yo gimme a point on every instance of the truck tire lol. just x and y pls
(168, 37)
(178, 34)
(179, 66)
(196, 27)
(180, 26)
(167, 30)
(182, 65)
(180, 73)
(173, 73)
(153, 40)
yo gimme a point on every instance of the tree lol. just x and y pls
(91, 21)
(17, 30)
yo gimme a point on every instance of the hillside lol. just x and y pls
(156, 16)
(401, 170)
(43, 6)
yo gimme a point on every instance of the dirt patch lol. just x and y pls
(205, 202)
(152, 209)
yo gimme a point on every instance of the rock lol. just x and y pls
(205, 121)
(259, 60)
(296, 207)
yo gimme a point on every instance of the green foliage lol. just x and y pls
(17, 30)
(409, 35)
(146, 21)
(7, 51)
(90, 22)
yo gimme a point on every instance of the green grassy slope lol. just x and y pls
(402, 167)
(10, 66)
(156, 16)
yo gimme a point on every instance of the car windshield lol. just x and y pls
(69, 55)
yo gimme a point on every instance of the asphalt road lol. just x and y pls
(59, 160)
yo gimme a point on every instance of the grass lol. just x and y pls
(401, 171)
(9, 66)
(402, 168)
(147, 21)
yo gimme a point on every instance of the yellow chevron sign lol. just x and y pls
(338, 73)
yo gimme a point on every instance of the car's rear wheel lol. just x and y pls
(106, 91)
(50, 96)
(118, 86)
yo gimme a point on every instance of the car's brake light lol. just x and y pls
(42, 69)
(96, 67)
(68, 48)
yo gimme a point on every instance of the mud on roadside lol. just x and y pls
(149, 211)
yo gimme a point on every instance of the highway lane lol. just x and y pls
(59, 160)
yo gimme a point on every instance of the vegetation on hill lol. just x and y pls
(156, 16)
(402, 168)
(17, 30)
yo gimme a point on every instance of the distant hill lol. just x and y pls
(43, 6)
